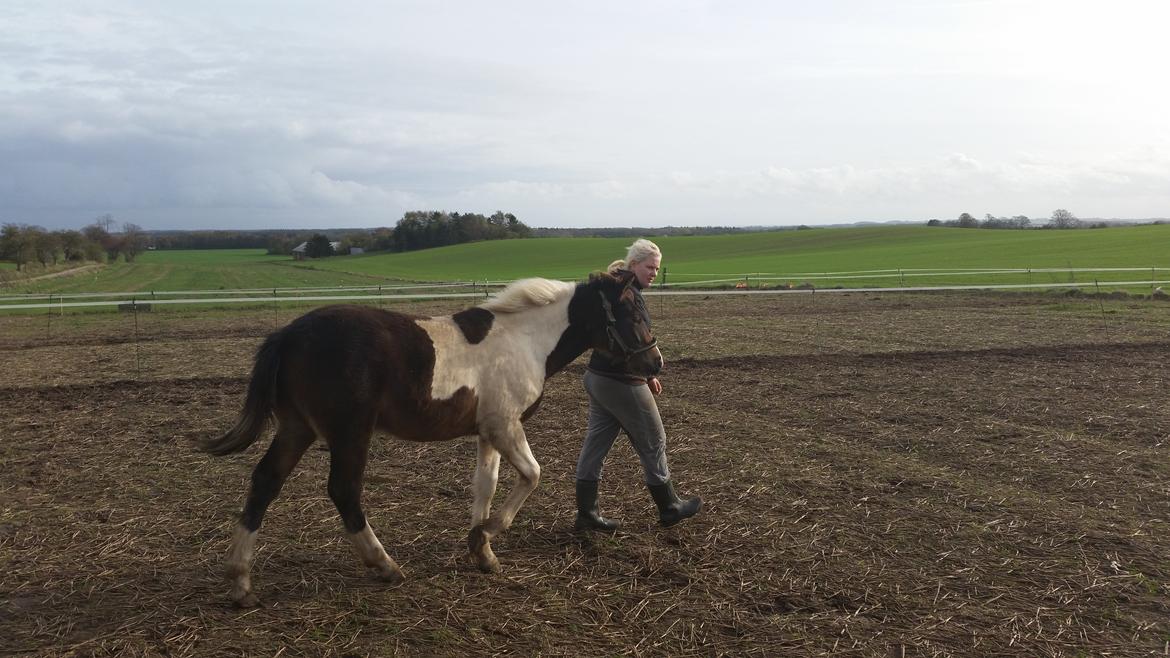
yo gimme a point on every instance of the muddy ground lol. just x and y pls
(936, 474)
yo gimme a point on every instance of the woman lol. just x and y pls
(620, 400)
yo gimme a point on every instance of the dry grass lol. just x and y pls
(954, 475)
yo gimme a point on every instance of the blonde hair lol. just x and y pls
(636, 253)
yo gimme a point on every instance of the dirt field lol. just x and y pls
(964, 475)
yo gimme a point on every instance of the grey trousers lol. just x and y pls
(614, 406)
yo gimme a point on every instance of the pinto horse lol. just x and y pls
(342, 372)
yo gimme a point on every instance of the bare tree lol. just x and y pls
(133, 241)
(1062, 218)
(105, 221)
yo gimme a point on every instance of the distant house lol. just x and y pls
(298, 251)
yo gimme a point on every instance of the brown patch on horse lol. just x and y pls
(475, 323)
(351, 367)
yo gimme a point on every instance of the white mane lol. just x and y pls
(528, 293)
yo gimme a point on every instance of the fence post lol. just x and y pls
(1101, 305)
(137, 350)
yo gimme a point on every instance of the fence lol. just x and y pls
(1102, 280)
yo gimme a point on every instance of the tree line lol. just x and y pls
(1060, 219)
(99, 242)
(416, 230)
(25, 244)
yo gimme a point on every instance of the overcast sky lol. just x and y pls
(217, 114)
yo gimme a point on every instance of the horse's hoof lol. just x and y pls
(389, 576)
(487, 564)
(248, 600)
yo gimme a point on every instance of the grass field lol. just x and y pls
(194, 270)
(789, 252)
(789, 256)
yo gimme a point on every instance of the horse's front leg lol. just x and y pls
(505, 438)
(483, 484)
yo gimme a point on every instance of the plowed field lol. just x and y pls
(930, 474)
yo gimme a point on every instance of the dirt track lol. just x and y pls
(958, 475)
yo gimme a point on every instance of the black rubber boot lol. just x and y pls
(671, 508)
(588, 515)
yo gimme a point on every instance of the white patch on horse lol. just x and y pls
(239, 563)
(506, 369)
(372, 554)
(240, 554)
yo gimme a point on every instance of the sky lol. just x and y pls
(226, 115)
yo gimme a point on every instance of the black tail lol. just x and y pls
(258, 405)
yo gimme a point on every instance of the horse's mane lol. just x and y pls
(528, 293)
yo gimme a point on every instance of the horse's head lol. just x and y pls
(616, 323)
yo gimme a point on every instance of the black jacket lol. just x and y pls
(613, 365)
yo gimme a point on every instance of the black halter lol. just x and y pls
(616, 344)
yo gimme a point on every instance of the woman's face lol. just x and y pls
(646, 270)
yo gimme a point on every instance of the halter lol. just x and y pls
(615, 338)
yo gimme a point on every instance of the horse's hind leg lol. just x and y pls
(349, 448)
(510, 441)
(292, 438)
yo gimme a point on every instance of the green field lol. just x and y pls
(226, 269)
(770, 258)
(789, 253)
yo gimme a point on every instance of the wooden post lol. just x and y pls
(137, 350)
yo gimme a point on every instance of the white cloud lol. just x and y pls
(611, 112)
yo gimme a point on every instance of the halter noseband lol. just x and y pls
(615, 338)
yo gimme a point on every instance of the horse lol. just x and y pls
(342, 372)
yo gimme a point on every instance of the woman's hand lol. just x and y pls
(655, 385)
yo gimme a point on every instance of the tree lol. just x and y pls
(967, 221)
(934, 222)
(98, 233)
(1062, 219)
(17, 244)
(72, 245)
(318, 246)
(106, 222)
(133, 241)
(518, 228)
(46, 246)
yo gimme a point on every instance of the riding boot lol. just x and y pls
(588, 515)
(671, 508)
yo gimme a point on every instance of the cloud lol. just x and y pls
(216, 115)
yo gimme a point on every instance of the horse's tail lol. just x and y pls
(258, 404)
